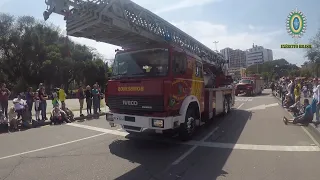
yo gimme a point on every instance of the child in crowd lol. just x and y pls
(55, 98)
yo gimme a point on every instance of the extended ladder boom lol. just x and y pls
(126, 24)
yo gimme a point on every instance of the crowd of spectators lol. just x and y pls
(291, 90)
(25, 102)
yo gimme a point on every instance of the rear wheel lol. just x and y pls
(187, 128)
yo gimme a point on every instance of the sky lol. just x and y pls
(237, 24)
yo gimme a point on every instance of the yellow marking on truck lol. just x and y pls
(130, 88)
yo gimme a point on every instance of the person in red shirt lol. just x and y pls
(4, 98)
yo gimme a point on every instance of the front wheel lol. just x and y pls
(187, 128)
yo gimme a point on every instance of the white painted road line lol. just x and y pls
(186, 154)
(255, 147)
(50, 147)
(240, 105)
(194, 144)
(107, 131)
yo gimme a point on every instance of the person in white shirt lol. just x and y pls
(316, 98)
(19, 106)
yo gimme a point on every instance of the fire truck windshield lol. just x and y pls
(245, 81)
(150, 62)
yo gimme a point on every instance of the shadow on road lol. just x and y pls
(262, 94)
(154, 154)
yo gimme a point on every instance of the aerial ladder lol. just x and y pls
(126, 24)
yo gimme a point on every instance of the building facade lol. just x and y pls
(258, 55)
(236, 57)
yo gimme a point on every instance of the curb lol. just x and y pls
(311, 128)
(47, 122)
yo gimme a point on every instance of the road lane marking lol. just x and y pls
(255, 147)
(303, 128)
(310, 136)
(243, 99)
(194, 144)
(50, 147)
(262, 106)
(103, 130)
(186, 154)
(240, 105)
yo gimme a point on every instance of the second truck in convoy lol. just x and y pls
(250, 86)
(163, 79)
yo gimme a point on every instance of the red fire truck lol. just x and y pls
(250, 86)
(163, 79)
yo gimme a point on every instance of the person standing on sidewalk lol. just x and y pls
(316, 101)
(99, 96)
(95, 99)
(43, 103)
(81, 97)
(297, 92)
(88, 95)
(62, 96)
(30, 99)
(4, 99)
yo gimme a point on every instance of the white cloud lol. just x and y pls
(185, 4)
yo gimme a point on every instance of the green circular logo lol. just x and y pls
(296, 23)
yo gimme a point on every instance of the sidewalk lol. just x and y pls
(72, 104)
(311, 127)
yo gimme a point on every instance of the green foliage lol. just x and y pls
(274, 69)
(32, 51)
(313, 54)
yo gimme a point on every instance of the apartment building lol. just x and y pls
(258, 55)
(236, 57)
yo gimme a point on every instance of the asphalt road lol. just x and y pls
(251, 143)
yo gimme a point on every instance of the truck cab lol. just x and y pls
(153, 88)
(250, 86)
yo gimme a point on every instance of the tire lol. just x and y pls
(187, 128)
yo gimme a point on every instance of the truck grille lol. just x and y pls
(136, 103)
(241, 87)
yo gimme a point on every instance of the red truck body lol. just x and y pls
(250, 86)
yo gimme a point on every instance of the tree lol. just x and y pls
(32, 51)
(313, 54)
(274, 69)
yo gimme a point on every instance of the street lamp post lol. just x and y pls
(216, 42)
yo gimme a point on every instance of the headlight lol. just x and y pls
(157, 123)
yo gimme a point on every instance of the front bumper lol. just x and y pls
(140, 123)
